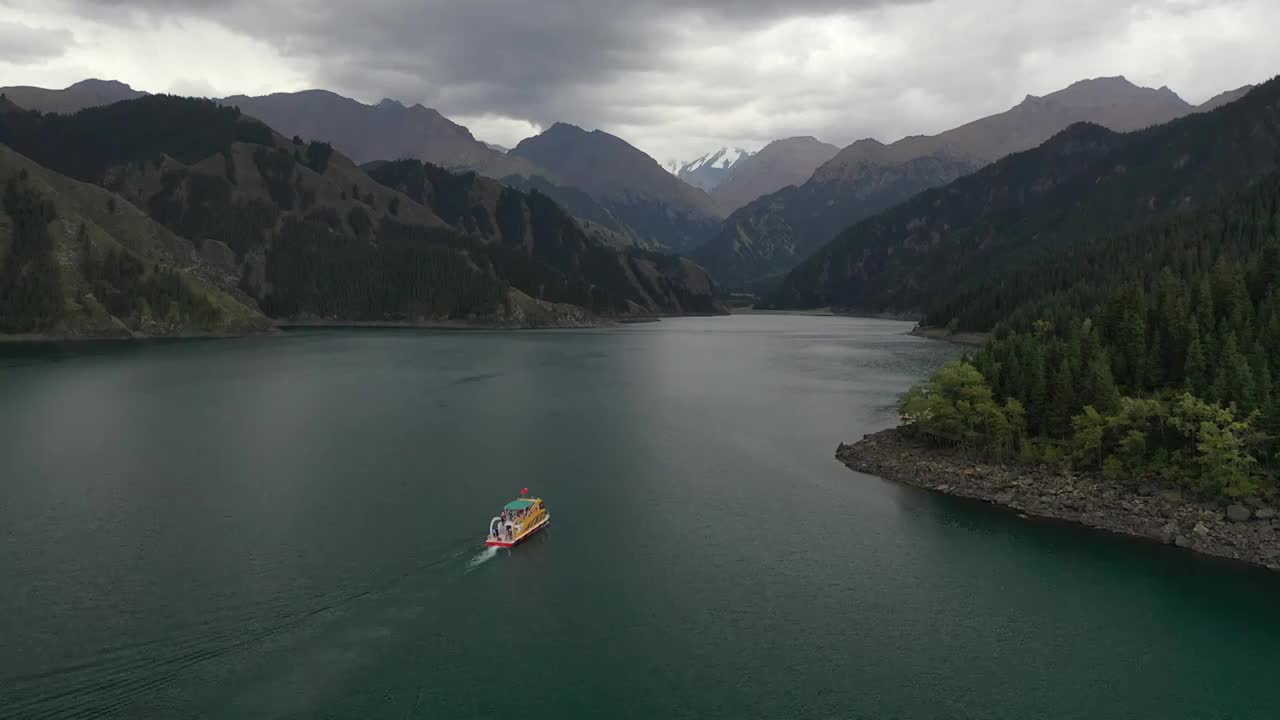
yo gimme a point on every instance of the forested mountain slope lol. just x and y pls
(594, 217)
(1151, 354)
(762, 241)
(307, 233)
(520, 227)
(77, 260)
(659, 207)
(1084, 183)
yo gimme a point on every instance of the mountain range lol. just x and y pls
(531, 224)
(294, 230)
(927, 254)
(761, 241)
(631, 185)
(632, 201)
(1223, 98)
(633, 206)
(787, 200)
(386, 131)
(789, 161)
(81, 95)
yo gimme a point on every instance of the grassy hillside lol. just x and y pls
(77, 260)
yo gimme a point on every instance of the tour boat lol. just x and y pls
(520, 518)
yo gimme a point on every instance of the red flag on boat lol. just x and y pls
(524, 491)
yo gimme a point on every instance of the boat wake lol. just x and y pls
(482, 557)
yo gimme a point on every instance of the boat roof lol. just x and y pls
(519, 504)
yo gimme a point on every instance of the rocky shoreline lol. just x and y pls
(1148, 510)
(128, 337)
(972, 339)
(281, 326)
(435, 325)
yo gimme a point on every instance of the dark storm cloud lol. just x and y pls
(680, 78)
(512, 57)
(21, 44)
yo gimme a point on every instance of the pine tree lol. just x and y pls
(1270, 421)
(1220, 389)
(1243, 389)
(1153, 374)
(1172, 326)
(1265, 392)
(1259, 363)
(1133, 349)
(1267, 274)
(1225, 381)
(1063, 404)
(1196, 366)
(1013, 383)
(1270, 334)
(1075, 349)
(1038, 394)
(1232, 295)
(1242, 324)
(1204, 305)
(1103, 394)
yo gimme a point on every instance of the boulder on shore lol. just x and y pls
(1238, 513)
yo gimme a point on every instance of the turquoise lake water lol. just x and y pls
(292, 527)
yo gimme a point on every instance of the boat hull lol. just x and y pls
(519, 538)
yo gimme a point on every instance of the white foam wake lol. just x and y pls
(482, 557)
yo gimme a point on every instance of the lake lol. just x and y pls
(292, 527)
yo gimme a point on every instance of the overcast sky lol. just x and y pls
(677, 79)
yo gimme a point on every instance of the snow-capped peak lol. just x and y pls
(721, 159)
(709, 170)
